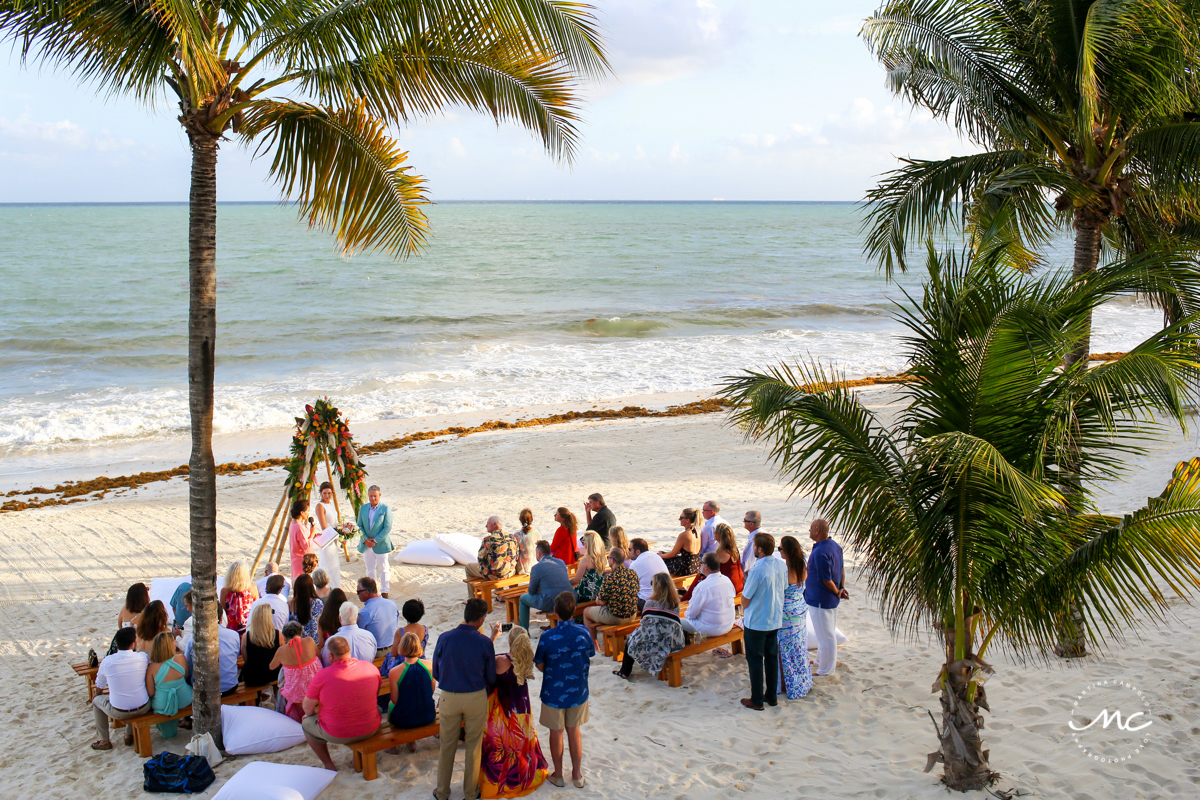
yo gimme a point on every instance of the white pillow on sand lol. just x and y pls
(812, 635)
(425, 552)
(262, 780)
(164, 589)
(249, 729)
(463, 546)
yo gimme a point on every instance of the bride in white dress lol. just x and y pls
(328, 557)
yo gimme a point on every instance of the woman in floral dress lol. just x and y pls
(511, 762)
(795, 674)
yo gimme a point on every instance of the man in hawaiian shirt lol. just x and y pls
(498, 555)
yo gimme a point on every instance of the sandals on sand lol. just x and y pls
(559, 782)
(620, 674)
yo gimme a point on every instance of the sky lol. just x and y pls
(709, 99)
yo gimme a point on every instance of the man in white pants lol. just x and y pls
(375, 522)
(823, 590)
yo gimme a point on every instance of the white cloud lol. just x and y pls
(456, 148)
(651, 41)
(60, 135)
(599, 156)
(677, 156)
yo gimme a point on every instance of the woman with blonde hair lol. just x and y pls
(659, 633)
(684, 557)
(590, 572)
(563, 545)
(168, 692)
(238, 594)
(259, 643)
(618, 538)
(527, 537)
(511, 762)
(412, 687)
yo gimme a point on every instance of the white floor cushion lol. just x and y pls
(250, 729)
(463, 546)
(262, 780)
(811, 640)
(425, 552)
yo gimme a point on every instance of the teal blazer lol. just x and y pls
(381, 531)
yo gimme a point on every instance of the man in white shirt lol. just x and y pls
(271, 597)
(124, 675)
(646, 565)
(710, 611)
(362, 643)
(712, 518)
(273, 569)
(752, 522)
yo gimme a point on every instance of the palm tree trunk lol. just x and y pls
(202, 484)
(964, 761)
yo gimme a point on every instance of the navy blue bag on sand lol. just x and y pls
(167, 772)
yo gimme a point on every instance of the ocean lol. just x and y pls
(512, 304)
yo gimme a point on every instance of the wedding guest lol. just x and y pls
(710, 612)
(362, 644)
(166, 683)
(124, 675)
(152, 622)
(274, 598)
(136, 600)
(824, 589)
(412, 687)
(413, 611)
(526, 537)
(273, 569)
(229, 643)
(259, 643)
(659, 632)
(321, 584)
(329, 558)
(589, 572)
(600, 517)
(511, 762)
(752, 522)
(238, 594)
(298, 660)
(339, 704)
(762, 599)
(564, 655)
(729, 558)
(498, 555)
(712, 518)
(300, 537)
(183, 633)
(464, 663)
(618, 600)
(646, 565)
(547, 579)
(795, 674)
(562, 546)
(378, 616)
(375, 522)
(684, 557)
(617, 538)
(305, 607)
(329, 622)
(310, 563)
(180, 611)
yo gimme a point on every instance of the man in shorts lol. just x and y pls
(564, 655)
(341, 703)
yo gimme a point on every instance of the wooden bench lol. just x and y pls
(672, 671)
(478, 587)
(386, 737)
(244, 696)
(579, 607)
(88, 674)
(615, 635)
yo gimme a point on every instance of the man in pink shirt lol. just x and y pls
(341, 705)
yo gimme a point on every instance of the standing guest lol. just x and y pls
(511, 762)
(712, 518)
(589, 572)
(273, 569)
(464, 663)
(729, 558)
(659, 633)
(752, 522)
(710, 612)
(412, 686)
(564, 655)
(329, 559)
(340, 702)
(618, 601)
(498, 555)
(305, 607)
(362, 644)
(600, 517)
(824, 588)
(548, 578)
(795, 674)
(300, 537)
(124, 675)
(684, 557)
(237, 595)
(375, 522)
(259, 643)
(152, 622)
(617, 538)
(646, 565)
(229, 643)
(378, 616)
(166, 683)
(274, 598)
(562, 546)
(329, 621)
(136, 600)
(526, 537)
(762, 598)
(180, 611)
(321, 585)
(299, 660)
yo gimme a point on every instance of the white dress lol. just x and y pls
(329, 556)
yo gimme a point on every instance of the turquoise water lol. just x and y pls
(512, 304)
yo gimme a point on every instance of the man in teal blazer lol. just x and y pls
(375, 522)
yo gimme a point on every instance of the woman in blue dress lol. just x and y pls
(795, 674)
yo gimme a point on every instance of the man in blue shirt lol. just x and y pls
(464, 665)
(379, 615)
(230, 643)
(823, 590)
(547, 580)
(564, 654)
(762, 598)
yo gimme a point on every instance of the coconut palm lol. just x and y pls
(314, 85)
(955, 510)
(1089, 102)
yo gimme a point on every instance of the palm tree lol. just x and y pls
(955, 509)
(314, 84)
(1090, 102)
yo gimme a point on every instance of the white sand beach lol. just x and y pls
(861, 733)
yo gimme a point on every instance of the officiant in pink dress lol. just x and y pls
(300, 537)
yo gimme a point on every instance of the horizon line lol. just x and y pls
(26, 204)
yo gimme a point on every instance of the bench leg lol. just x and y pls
(487, 598)
(737, 647)
(675, 672)
(370, 770)
(141, 740)
(358, 765)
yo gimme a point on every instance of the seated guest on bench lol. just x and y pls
(600, 518)
(305, 607)
(259, 643)
(275, 599)
(183, 633)
(710, 611)
(499, 554)
(659, 634)
(362, 644)
(273, 569)
(328, 623)
(320, 579)
(340, 702)
(412, 612)
(237, 595)
(618, 596)
(230, 642)
(564, 655)
(412, 686)
(590, 570)
(300, 661)
(182, 611)
(153, 622)
(646, 565)
(526, 539)
(564, 546)
(166, 682)
(547, 580)
(618, 538)
(136, 600)
(378, 616)
(684, 557)
(124, 675)
(512, 764)
(731, 562)
(464, 662)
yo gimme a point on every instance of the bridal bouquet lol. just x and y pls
(346, 531)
